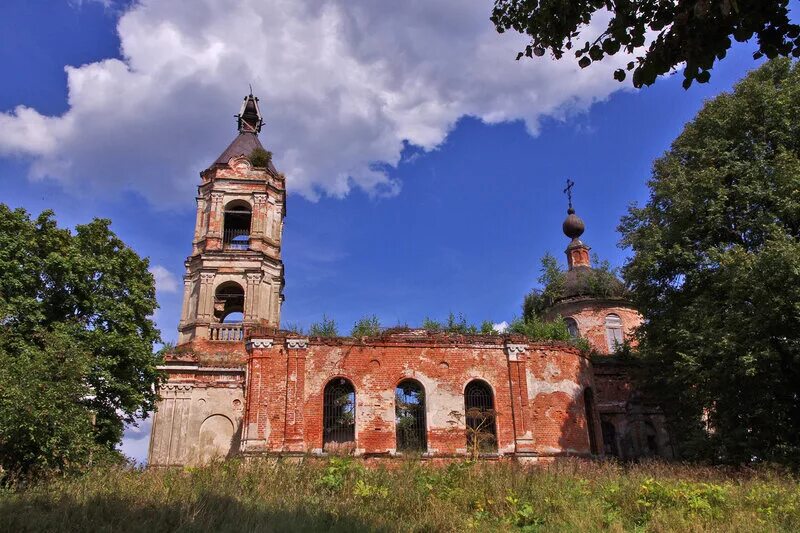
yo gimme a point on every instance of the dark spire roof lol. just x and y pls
(249, 119)
(242, 145)
(249, 124)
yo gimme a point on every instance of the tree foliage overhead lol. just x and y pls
(76, 341)
(716, 271)
(662, 34)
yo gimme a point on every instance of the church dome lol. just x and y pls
(587, 282)
(573, 225)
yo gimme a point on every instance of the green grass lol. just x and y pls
(343, 495)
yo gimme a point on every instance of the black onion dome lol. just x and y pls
(573, 225)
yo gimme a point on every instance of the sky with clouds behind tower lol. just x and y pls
(425, 165)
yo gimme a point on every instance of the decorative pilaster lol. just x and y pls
(294, 440)
(252, 296)
(215, 218)
(259, 215)
(520, 409)
(187, 293)
(199, 224)
(205, 304)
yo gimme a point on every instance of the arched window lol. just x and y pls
(588, 404)
(229, 301)
(572, 327)
(480, 417)
(338, 413)
(613, 332)
(409, 411)
(609, 438)
(236, 229)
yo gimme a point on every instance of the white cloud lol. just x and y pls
(136, 440)
(342, 84)
(501, 327)
(165, 280)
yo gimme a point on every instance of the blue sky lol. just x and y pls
(450, 211)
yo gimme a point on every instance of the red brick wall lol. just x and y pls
(590, 314)
(538, 392)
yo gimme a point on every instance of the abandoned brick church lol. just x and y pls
(244, 386)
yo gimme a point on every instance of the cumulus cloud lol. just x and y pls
(165, 280)
(342, 84)
(500, 327)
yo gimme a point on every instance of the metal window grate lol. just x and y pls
(409, 410)
(480, 417)
(339, 412)
(236, 239)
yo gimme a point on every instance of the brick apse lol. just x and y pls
(237, 384)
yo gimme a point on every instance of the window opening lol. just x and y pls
(236, 228)
(614, 332)
(480, 418)
(409, 409)
(572, 327)
(339, 413)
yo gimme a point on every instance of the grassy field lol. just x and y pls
(342, 495)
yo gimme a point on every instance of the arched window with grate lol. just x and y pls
(614, 335)
(588, 404)
(572, 327)
(480, 417)
(338, 414)
(409, 410)
(236, 226)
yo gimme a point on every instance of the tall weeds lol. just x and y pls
(341, 494)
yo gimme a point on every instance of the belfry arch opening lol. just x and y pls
(229, 302)
(236, 226)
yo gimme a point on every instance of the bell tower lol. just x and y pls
(234, 276)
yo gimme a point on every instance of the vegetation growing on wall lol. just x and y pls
(325, 328)
(260, 158)
(601, 281)
(368, 326)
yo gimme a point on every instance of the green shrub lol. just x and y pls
(368, 326)
(325, 328)
(260, 158)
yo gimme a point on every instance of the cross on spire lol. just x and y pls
(568, 192)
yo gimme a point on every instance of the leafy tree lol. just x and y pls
(552, 280)
(367, 326)
(694, 32)
(326, 328)
(76, 342)
(716, 272)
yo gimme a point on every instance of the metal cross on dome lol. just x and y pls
(568, 191)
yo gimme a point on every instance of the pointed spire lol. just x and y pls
(249, 119)
(573, 227)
